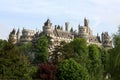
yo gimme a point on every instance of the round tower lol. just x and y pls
(27, 36)
(82, 31)
(47, 28)
(106, 41)
(12, 37)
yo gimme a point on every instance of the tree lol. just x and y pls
(47, 71)
(13, 65)
(69, 69)
(41, 54)
(76, 49)
(94, 65)
(114, 66)
(27, 50)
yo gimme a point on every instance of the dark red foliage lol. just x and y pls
(47, 71)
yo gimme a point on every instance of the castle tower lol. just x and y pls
(106, 42)
(67, 25)
(82, 31)
(27, 36)
(12, 37)
(47, 28)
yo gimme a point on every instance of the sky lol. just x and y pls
(103, 15)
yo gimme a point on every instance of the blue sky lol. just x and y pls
(104, 15)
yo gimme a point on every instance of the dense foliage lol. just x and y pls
(94, 65)
(13, 65)
(41, 51)
(76, 49)
(69, 69)
(47, 71)
(114, 60)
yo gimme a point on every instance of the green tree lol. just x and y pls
(94, 65)
(76, 49)
(69, 69)
(41, 54)
(27, 50)
(114, 66)
(13, 65)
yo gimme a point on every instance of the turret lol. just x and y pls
(12, 37)
(82, 31)
(27, 36)
(106, 42)
(67, 25)
(47, 28)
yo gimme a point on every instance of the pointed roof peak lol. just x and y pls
(48, 20)
(13, 31)
(18, 31)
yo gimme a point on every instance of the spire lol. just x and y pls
(18, 31)
(18, 35)
(86, 22)
(13, 31)
(78, 26)
(48, 23)
(71, 30)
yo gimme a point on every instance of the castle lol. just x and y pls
(58, 34)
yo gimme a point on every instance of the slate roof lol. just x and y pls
(93, 39)
(63, 34)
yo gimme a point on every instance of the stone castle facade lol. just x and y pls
(58, 34)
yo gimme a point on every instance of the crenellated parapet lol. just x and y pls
(27, 35)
